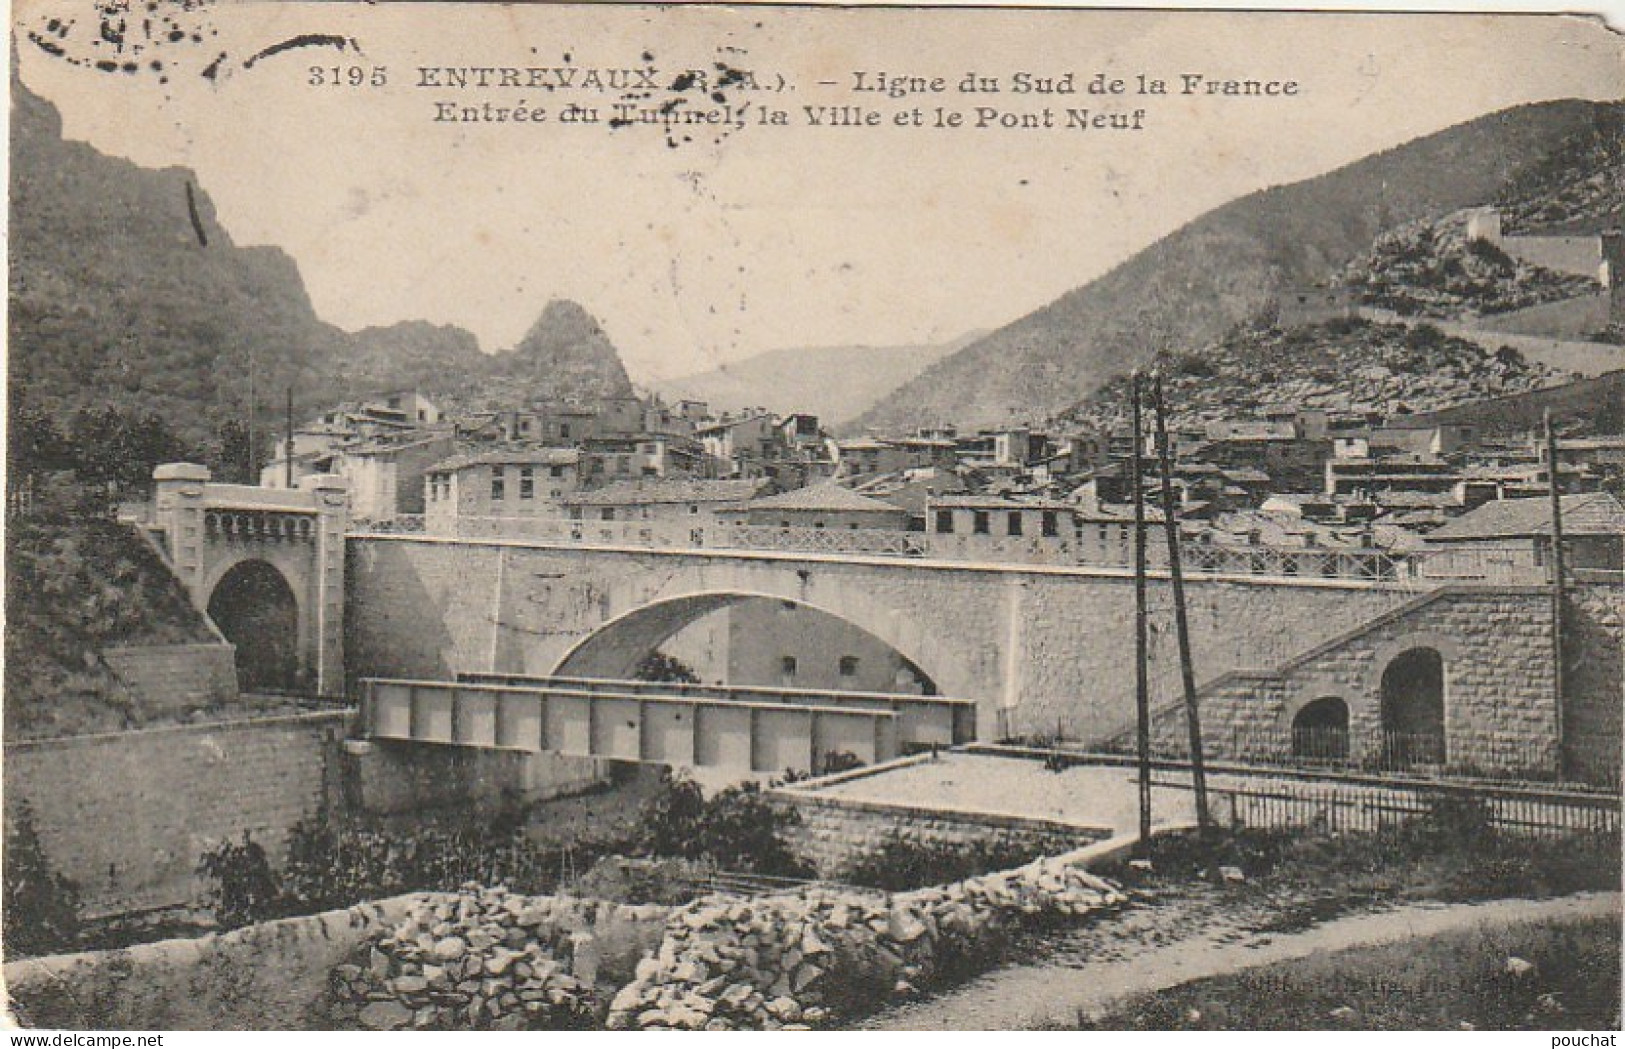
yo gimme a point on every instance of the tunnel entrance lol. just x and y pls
(257, 611)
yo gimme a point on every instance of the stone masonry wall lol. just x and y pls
(128, 815)
(1498, 693)
(1574, 318)
(1594, 677)
(175, 678)
(833, 832)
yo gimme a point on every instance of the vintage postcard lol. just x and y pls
(643, 517)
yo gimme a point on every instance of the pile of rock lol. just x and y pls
(801, 960)
(484, 959)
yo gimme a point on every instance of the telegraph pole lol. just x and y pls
(1187, 671)
(1142, 687)
(287, 449)
(1559, 587)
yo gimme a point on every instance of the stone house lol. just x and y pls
(503, 483)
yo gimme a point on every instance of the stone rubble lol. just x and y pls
(483, 959)
(791, 961)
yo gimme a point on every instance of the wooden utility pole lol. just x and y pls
(1142, 685)
(287, 448)
(252, 474)
(1187, 672)
(1559, 587)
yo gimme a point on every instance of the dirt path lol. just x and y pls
(1054, 991)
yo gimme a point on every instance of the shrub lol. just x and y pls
(669, 820)
(41, 906)
(658, 666)
(738, 829)
(902, 863)
(242, 888)
(741, 830)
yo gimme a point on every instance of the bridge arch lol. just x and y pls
(615, 649)
(257, 609)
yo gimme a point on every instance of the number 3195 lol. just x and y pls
(348, 76)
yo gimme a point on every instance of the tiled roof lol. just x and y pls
(1595, 513)
(670, 490)
(827, 496)
(509, 457)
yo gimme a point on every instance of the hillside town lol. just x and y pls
(1336, 482)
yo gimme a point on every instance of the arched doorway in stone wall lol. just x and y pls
(1413, 708)
(255, 608)
(1320, 730)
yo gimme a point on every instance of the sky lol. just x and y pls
(710, 244)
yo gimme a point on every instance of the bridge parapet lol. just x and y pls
(1413, 569)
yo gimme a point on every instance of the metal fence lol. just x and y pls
(1335, 807)
(1589, 764)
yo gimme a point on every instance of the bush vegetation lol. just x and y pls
(40, 906)
(737, 828)
(333, 863)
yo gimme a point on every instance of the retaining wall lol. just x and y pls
(127, 815)
(258, 977)
(833, 832)
(169, 679)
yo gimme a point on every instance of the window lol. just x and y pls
(555, 471)
(606, 513)
(979, 522)
(787, 666)
(1051, 524)
(527, 482)
(849, 666)
(945, 522)
(499, 484)
(564, 431)
(1012, 523)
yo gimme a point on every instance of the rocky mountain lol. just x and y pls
(127, 293)
(125, 290)
(1577, 188)
(564, 354)
(835, 383)
(1432, 269)
(1341, 365)
(1223, 268)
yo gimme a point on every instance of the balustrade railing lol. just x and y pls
(1409, 569)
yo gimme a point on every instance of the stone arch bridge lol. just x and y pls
(1042, 650)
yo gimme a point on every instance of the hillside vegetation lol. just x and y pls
(78, 583)
(1353, 365)
(126, 293)
(1432, 269)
